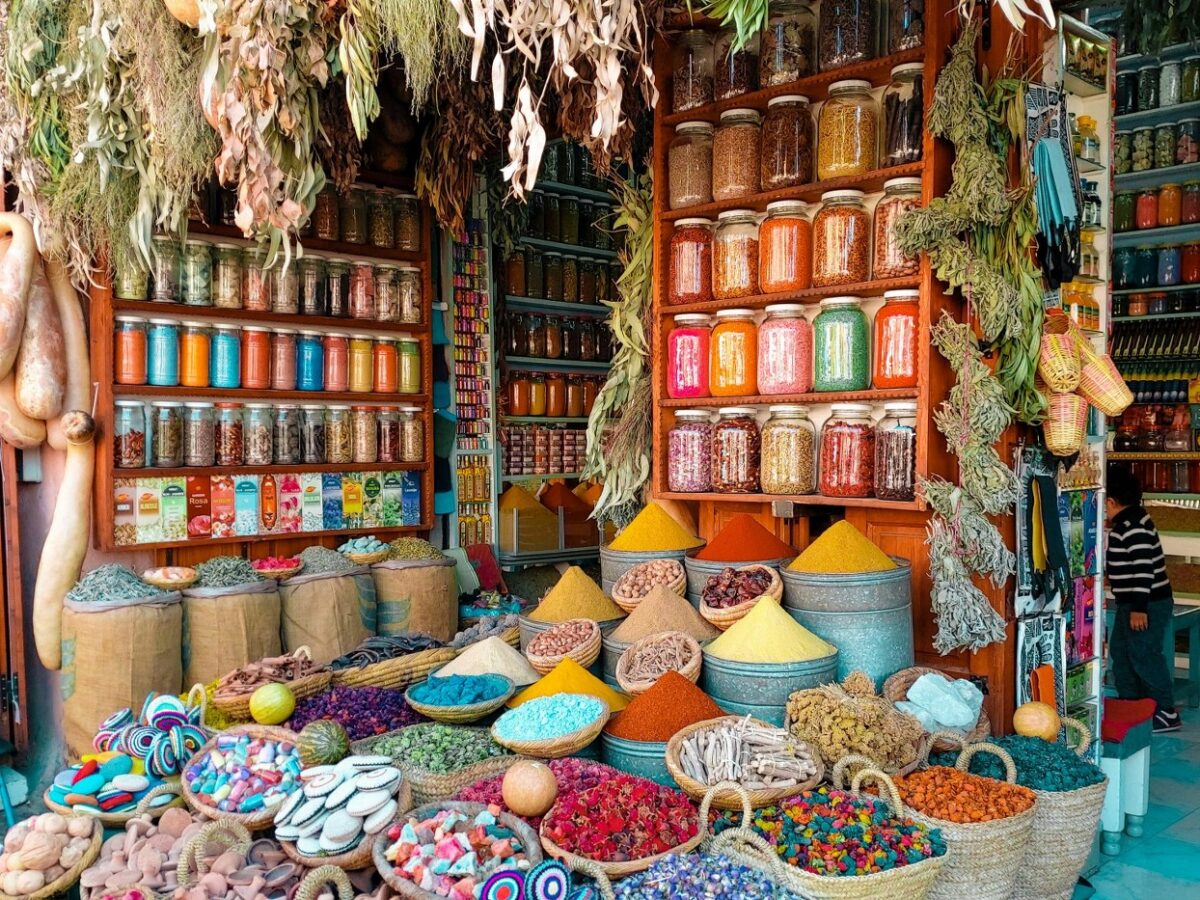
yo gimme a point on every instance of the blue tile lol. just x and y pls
(1120, 880)
(1186, 830)
(1161, 816)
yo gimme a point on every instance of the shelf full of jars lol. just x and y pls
(242, 404)
(791, 333)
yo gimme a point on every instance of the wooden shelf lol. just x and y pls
(154, 472)
(535, 304)
(545, 420)
(569, 249)
(200, 543)
(556, 365)
(575, 476)
(1128, 181)
(878, 396)
(281, 320)
(575, 190)
(798, 499)
(869, 182)
(327, 248)
(757, 301)
(1135, 456)
(1161, 115)
(244, 395)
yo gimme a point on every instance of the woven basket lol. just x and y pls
(1058, 356)
(178, 584)
(585, 652)
(690, 670)
(227, 833)
(622, 592)
(1066, 424)
(527, 836)
(563, 745)
(465, 713)
(896, 689)
(367, 559)
(512, 637)
(280, 574)
(256, 821)
(725, 618)
(238, 706)
(62, 885)
(397, 673)
(728, 795)
(329, 873)
(1099, 381)
(360, 856)
(118, 820)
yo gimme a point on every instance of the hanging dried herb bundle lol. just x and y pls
(619, 427)
(965, 618)
(338, 147)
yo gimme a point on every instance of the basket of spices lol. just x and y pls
(391, 661)
(171, 578)
(363, 712)
(742, 542)
(295, 670)
(651, 657)
(459, 699)
(211, 777)
(896, 689)
(653, 534)
(578, 639)
(574, 596)
(635, 584)
(45, 855)
(767, 763)
(730, 594)
(662, 610)
(552, 726)
(278, 567)
(439, 760)
(365, 551)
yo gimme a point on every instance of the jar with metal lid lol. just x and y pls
(591, 390)
(131, 279)
(535, 277)
(227, 276)
(735, 255)
(736, 451)
(574, 396)
(604, 288)
(129, 434)
(788, 43)
(554, 276)
(894, 361)
(229, 434)
(164, 269)
(736, 155)
(587, 281)
(1089, 142)
(1127, 91)
(408, 294)
(1187, 142)
(336, 346)
(387, 297)
(846, 130)
(1147, 82)
(310, 361)
(362, 363)
(689, 452)
(285, 289)
(556, 395)
(129, 350)
(256, 357)
(286, 437)
(199, 442)
(570, 278)
(537, 394)
(517, 336)
(412, 434)
(283, 359)
(535, 337)
(516, 390)
(787, 143)
(1145, 267)
(326, 220)
(735, 68)
(904, 115)
(841, 239)
(514, 272)
(162, 353)
(553, 216)
(1164, 146)
(1123, 152)
(1170, 205)
(1124, 204)
(906, 24)
(733, 355)
(570, 339)
(195, 281)
(841, 346)
(784, 351)
(1146, 209)
(688, 348)
(312, 434)
(896, 452)
(1189, 84)
(408, 222)
(381, 222)
(568, 219)
(692, 71)
(789, 452)
(365, 438)
(1158, 303)
(195, 349)
(337, 291)
(899, 196)
(339, 435)
(847, 459)
(166, 439)
(1189, 205)
(410, 365)
(225, 357)
(1189, 269)
(537, 212)
(689, 262)
(362, 290)
(587, 214)
(1143, 149)
(554, 342)
(386, 361)
(1170, 76)
(847, 33)
(353, 214)
(689, 164)
(1168, 266)
(604, 341)
(314, 283)
(256, 281)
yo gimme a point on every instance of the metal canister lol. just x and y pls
(615, 563)
(762, 689)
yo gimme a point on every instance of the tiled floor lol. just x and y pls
(1163, 864)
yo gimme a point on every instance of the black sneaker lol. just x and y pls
(1166, 721)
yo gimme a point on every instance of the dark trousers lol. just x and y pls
(1139, 666)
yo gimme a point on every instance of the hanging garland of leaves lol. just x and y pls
(619, 427)
(1150, 25)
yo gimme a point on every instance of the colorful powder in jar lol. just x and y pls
(785, 351)
(785, 250)
(690, 265)
(688, 350)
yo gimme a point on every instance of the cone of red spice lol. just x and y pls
(671, 704)
(743, 539)
(558, 496)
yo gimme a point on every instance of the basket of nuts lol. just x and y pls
(731, 594)
(632, 587)
(577, 638)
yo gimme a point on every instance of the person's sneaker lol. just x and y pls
(1166, 721)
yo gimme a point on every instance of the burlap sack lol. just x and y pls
(416, 595)
(323, 612)
(225, 628)
(113, 655)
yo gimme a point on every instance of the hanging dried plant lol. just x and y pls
(338, 147)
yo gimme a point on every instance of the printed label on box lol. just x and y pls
(224, 509)
(372, 492)
(411, 498)
(199, 506)
(245, 505)
(331, 501)
(268, 505)
(149, 510)
(393, 500)
(311, 502)
(174, 509)
(352, 500)
(290, 512)
(124, 512)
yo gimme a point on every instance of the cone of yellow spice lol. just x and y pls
(653, 529)
(575, 596)
(767, 634)
(569, 677)
(842, 550)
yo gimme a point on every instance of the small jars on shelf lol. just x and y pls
(736, 160)
(408, 292)
(164, 269)
(410, 365)
(162, 354)
(841, 239)
(689, 452)
(131, 281)
(788, 43)
(906, 25)
(787, 143)
(365, 440)
(229, 434)
(847, 33)
(225, 357)
(256, 281)
(847, 130)
(1147, 85)
(310, 361)
(896, 452)
(199, 441)
(195, 348)
(167, 433)
(688, 351)
(735, 68)
(899, 196)
(361, 364)
(312, 434)
(412, 435)
(408, 223)
(784, 351)
(785, 248)
(339, 435)
(285, 289)
(337, 294)
(736, 451)
(335, 347)
(283, 359)
(789, 452)
(129, 350)
(904, 115)
(894, 360)
(690, 164)
(690, 262)
(326, 221)
(352, 211)
(256, 357)
(735, 255)
(381, 221)
(841, 346)
(195, 274)
(362, 290)
(692, 72)
(733, 358)
(259, 434)
(847, 458)
(227, 276)
(286, 435)
(387, 300)
(129, 434)
(386, 367)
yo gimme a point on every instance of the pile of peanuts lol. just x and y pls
(953, 796)
(645, 577)
(562, 638)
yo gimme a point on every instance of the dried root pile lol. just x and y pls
(755, 756)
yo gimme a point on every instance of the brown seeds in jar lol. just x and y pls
(787, 143)
(736, 451)
(736, 148)
(735, 255)
(902, 194)
(736, 69)
(789, 44)
(841, 240)
(690, 164)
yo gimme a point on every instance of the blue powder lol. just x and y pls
(459, 690)
(544, 718)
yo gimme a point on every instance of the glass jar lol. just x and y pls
(285, 289)
(408, 223)
(386, 357)
(410, 366)
(1089, 142)
(362, 290)
(1170, 205)
(256, 281)
(735, 255)
(847, 461)
(894, 363)
(784, 351)
(1158, 303)
(568, 220)
(900, 195)
(1168, 266)
(1164, 146)
(1143, 149)
(1169, 82)
(129, 350)
(1187, 142)
(568, 162)
(1190, 204)
(1189, 86)
(536, 227)
(517, 336)
(554, 341)
(535, 337)
(689, 262)
(847, 33)
(195, 281)
(339, 435)
(604, 288)
(1145, 267)
(517, 391)
(571, 343)
(283, 359)
(227, 276)
(514, 272)
(286, 435)
(1189, 266)
(199, 442)
(789, 43)
(846, 131)
(570, 278)
(535, 278)
(387, 443)
(1089, 256)
(1147, 82)
(574, 396)
(735, 153)
(337, 292)
(556, 395)
(162, 353)
(326, 220)
(412, 435)
(1146, 210)
(591, 390)
(313, 286)
(690, 452)
(553, 215)
(310, 361)
(552, 263)
(336, 346)
(841, 239)
(1127, 91)
(735, 69)
(906, 25)
(785, 248)
(789, 452)
(1123, 152)
(381, 222)
(194, 352)
(312, 434)
(537, 395)
(688, 349)
(733, 355)
(408, 294)
(387, 300)
(736, 451)
(1124, 204)
(841, 346)
(353, 214)
(787, 143)
(256, 357)
(129, 434)
(365, 439)
(166, 439)
(229, 435)
(164, 269)
(587, 282)
(904, 114)
(362, 363)
(896, 452)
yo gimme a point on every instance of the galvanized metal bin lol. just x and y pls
(645, 758)
(615, 563)
(762, 689)
(530, 629)
(610, 655)
(868, 616)
(699, 570)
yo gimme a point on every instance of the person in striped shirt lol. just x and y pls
(1137, 575)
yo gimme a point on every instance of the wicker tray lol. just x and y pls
(62, 885)
(690, 670)
(397, 673)
(563, 745)
(529, 837)
(629, 604)
(280, 574)
(360, 856)
(512, 637)
(367, 559)
(585, 652)
(179, 584)
(238, 706)
(726, 618)
(310, 887)
(229, 834)
(896, 688)
(726, 795)
(118, 820)
(257, 821)
(463, 714)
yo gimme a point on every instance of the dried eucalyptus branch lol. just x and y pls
(965, 618)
